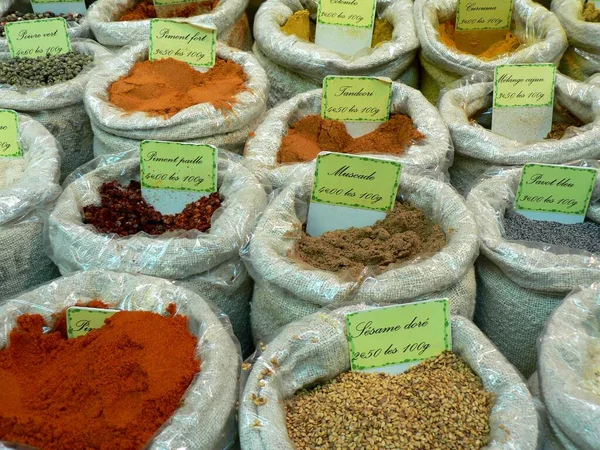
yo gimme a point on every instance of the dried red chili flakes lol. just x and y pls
(124, 211)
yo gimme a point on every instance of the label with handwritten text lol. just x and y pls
(34, 38)
(185, 42)
(9, 134)
(353, 13)
(483, 14)
(356, 99)
(398, 334)
(524, 85)
(81, 320)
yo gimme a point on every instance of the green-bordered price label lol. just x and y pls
(81, 320)
(356, 181)
(483, 14)
(524, 85)
(189, 43)
(59, 6)
(400, 335)
(356, 99)
(9, 134)
(178, 166)
(35, 38)
(353, 13)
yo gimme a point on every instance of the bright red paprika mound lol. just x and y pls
(111, 389)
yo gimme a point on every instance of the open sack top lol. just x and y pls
(205, 418)
(315, 349)
(581, 34)
(196, 121)
(389, 59)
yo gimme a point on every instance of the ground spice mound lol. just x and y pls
(590, 13)
(568, 119)
(124, 211)
(166, 86)
(145, 10)
(313, 134)
(509, 44)
(439, 404)
(404, 234)
(111, 389)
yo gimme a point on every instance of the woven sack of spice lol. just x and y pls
(205, 419)
(295, 65)
(315, 349)
(537, 28)
(478, 148)
(27, 188)
(582, 58)
(287, 288)
(520, 283)
(433, 152)
(228, 17)
(117, 131)
(60, 108)
(208, 262)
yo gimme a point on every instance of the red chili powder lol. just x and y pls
(146, 10)
(110, 389)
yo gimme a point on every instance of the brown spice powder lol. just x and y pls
(145, 10)
(404, 234)
(590, 13)
(313, 134)
(509, 44)
(166, 86)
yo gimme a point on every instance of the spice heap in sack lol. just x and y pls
(468, 398)
(466, 106)
(295, 64)
(526, 267)
(536, 36)
(295, 132)
(426, 246)
(118, 23)
(28, 185)
(135, 99)
(168, 361)
(101, 221)
(18, 16)
(580, 21)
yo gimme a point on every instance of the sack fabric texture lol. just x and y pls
(228, 17)
(287, 289)
(582, 58)
(435, 152)
(520, 283)
(208, 262)
(116, 131)
(477, 148)
(540, 31)
(60, 109)
(23, 260)
(205, 420)
(295, 65)
(315, 349)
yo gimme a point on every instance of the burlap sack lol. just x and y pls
(116, 131)
(23, 261)
(434, 152)
(315, 349)
(60, 109)
(582, 59)
(545, 41)
(205, 420)
(478, 149)
(520, 283)
(207, 262)
(295, 66)
(228, 17)
(287, 289)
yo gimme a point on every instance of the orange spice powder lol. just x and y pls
(145, 10)
(509, 42)
(166, 86)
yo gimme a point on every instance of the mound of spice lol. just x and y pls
(112, 388)
(438, 404)
(508, 44)
(11, 171)
(300, 25)
(582, 236)
(124, 211)
(18, 16)
(590, 12)
(166, 86)
(43, 71)
(404, 234)
(145, 10)
(313, 134)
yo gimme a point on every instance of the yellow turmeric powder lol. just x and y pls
(509, 44)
